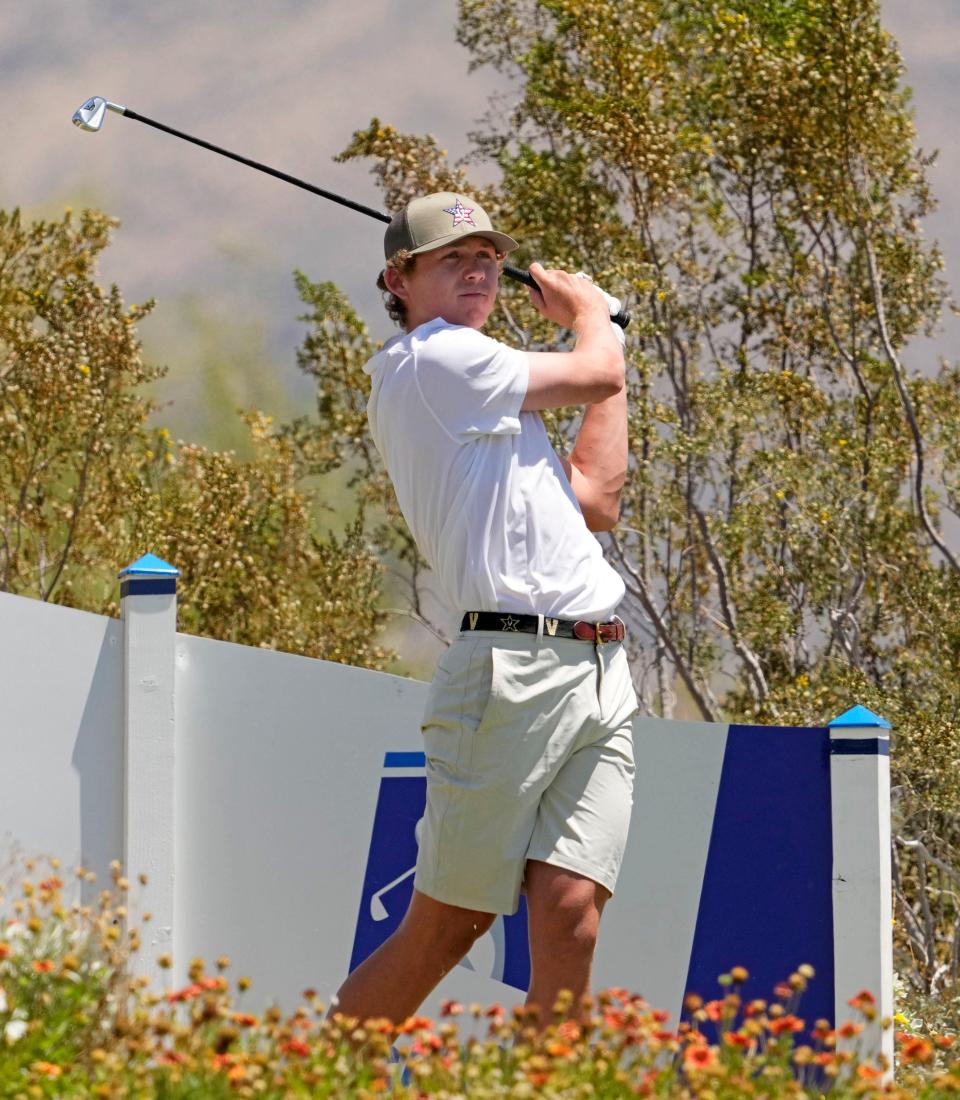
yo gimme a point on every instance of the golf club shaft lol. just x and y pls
(519, 274)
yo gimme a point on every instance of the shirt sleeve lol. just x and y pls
(471, 384)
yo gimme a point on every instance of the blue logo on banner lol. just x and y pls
(388, 880)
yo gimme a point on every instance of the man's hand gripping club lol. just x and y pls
(593, 371)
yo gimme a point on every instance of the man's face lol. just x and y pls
(457, 282)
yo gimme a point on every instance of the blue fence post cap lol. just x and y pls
(860, 717)
(149, 566)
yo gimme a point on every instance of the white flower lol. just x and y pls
(15, 1029)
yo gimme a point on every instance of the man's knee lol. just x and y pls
(446, 931)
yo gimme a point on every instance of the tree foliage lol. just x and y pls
(86, 486)
(746, 173)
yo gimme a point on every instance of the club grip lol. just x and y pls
(622, 318)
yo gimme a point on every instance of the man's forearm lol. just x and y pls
(599, 460)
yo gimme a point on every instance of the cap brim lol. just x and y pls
(501, 240)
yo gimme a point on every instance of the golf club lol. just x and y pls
(90, 115)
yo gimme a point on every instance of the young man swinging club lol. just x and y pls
(527, 728)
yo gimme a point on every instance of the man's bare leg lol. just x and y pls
(564, 916)
(396, 979)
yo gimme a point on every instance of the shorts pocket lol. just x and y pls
(461, 690)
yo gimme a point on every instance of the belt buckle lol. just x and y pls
(614, 634)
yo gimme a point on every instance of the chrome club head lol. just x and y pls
(89, 115)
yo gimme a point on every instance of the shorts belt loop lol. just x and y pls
(539, 629)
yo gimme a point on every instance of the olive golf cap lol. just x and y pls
(433, 221)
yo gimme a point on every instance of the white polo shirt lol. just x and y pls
(478, 481)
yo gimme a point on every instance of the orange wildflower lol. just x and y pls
(569, 1030)
(5, 951)
(416, 1023)
(188, 992)
(244, 1019)
(559, 1050)
(916, 1049)
(863, 998)
(451, 1008)
(699, 1057)
(714, 1010)
(868, 1073)
(48, 1069)
(211, 984)
(42, 966)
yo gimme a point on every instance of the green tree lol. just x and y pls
(746, 173)
(85, 486)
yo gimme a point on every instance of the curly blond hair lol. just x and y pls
(401, 261)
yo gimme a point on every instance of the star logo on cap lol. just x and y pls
(460, 213)
(508, 622)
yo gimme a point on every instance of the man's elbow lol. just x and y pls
(614, 375)
(604, 518)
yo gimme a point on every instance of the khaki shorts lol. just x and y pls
(529, 756)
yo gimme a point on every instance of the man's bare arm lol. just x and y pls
(593, 370)
(592, 374)
(597, 465)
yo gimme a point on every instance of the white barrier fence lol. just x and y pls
(272, 801)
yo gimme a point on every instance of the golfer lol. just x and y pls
(527, 728)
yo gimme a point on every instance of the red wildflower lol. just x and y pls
(659, 1016)
(784, 1024)
(714, 1010)
(451, 1008)
(784, 989)
(170, 1058)
(737, 1039)
(42, 966)
(494, 1011)
(210, 984)
(849, 1029)
(558, 1050)
(426, 1044)
(5, 951)
(825, 1058)
(863, 998)
(295, 1046)
(244, 1019)
(50, 884)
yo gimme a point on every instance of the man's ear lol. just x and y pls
(396, 283)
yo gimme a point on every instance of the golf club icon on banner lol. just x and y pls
(502, 954)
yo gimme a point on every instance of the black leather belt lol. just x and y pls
(553, 628)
